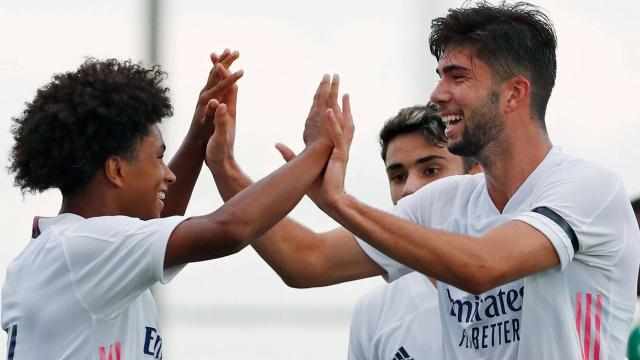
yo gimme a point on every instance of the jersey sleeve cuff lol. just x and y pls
(394, 269)
(556, 235)
(164, 276)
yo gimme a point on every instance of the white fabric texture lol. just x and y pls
(80, 289)
(397, 318)
(581, 309)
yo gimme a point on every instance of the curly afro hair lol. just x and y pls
(80, 119)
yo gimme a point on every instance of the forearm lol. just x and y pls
(186, 165)
(456, 259)
(292, 250)
(258, 207)
(301, 257)
(229, 178)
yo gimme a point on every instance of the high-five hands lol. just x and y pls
(221, 87)
(328, 122)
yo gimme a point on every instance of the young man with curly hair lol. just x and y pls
(80, 288)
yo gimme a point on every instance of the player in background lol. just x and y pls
(401, 320)
(80, 288)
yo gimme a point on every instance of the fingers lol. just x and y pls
(226, 59)
(226, 62)
(335, 131)
(347, 119)
(333, 91)
(220, 119)
(222, 71)
(223, 85)
(325, 88)
(212, 105)
(286, 152)
(317, 98)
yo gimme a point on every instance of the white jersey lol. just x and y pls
(397, 321)
(581, 309)
(80, 289)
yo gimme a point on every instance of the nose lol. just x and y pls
(411, 185)
(169, 176)
(440, 94)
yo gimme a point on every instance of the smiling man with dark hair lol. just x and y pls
(537, 258)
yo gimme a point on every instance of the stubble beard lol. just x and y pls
(482, 125)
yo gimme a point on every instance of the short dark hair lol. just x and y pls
(423, 119)
(513, 39)
(80, 118)
(420, 118)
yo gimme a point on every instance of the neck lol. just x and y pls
(508, 162)
(90, 202)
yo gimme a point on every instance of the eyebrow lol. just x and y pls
(422, 160)
(450, 68)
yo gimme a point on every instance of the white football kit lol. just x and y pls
(80, 289)
(580, 309)
(397, 321)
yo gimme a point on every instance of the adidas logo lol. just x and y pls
(402, 354)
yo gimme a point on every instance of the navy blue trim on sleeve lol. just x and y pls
(564, 225)
(13, 332)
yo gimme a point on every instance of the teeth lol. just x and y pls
(449, 118)
(161, 195)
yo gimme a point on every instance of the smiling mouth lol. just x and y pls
(161, 195)
(450, 120)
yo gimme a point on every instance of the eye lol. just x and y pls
(398, 178)
(432, 171)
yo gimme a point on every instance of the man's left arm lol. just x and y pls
(187, 162)
(474, 264)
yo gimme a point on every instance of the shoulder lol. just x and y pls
(565, 169)
(448, 195)
(113, 228)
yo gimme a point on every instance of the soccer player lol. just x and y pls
(538, 257)
(401, 320)
(80, 288)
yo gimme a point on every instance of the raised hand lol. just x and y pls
(331, 184)
(331, 187)
(221, 113)
(315, 128)
(220, 84)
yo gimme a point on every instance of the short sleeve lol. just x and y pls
(394, 270)
(582, 212)
(113, 259)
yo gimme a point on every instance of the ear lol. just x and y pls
(518, 91)
(114, 170)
